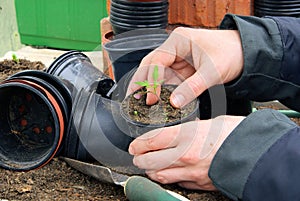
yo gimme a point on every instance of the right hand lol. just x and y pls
(183, 153)
(202, 58)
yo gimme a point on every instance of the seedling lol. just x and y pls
(15, 58)
(153, 85)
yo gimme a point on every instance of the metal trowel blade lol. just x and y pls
(98, 172)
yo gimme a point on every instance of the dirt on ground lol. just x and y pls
(58, 181)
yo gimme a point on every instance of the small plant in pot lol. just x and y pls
(142, 118)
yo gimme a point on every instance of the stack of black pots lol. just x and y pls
(289, 8)
(127, 15)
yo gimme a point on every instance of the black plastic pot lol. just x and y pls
(137, 22)
(138, 13)
(121, 27)
(277, 8)
(137, 7)
(33, 119)
(141, 3)
(160, 16)
(126, 53)
(277, 5)
(131, 15)
(36, 116)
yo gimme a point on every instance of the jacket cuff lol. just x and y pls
(242, 149)
(261, 42)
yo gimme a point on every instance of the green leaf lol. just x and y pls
(143, 84)
(155, 74)
(15, 58)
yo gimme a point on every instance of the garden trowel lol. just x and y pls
(136, 188)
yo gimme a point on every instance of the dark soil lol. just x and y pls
(57, 180)
(160, 113)
(10, 67)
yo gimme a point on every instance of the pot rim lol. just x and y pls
(114, 45)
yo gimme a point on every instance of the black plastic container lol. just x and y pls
(277, 8)
(122, 27)
(142, 3)
(137, 7)
(131, 15)
(33, 118)
(127, 52)
(140, 14)
(159, 16)
(138, 22)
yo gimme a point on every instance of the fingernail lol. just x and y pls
(137, 96)
(178, 100)
(131, 150)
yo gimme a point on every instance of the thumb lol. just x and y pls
(188, 90)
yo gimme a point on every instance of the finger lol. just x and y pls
(153, 58)
(155, 140)
(188, 90)
(180, 174)
(155, 78)
(157, 160)
(192, 178)
(139, 75)
(168, 149)
(169, 175)
(162, 56)
(183, 136)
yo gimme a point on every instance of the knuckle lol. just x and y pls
(195, 85)
(189, 158)
(151, 143)
(201, 176)
(196, 175)
(179, 29)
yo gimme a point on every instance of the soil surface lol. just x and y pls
(135, 108)
(10, 67)
(58, 181)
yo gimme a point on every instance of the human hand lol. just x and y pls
(183, 153)
(200, 58)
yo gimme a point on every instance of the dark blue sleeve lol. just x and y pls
(271, 50)
(260, 159)
(290, 34)
(276, 175)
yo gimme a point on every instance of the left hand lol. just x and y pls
(183, 153)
